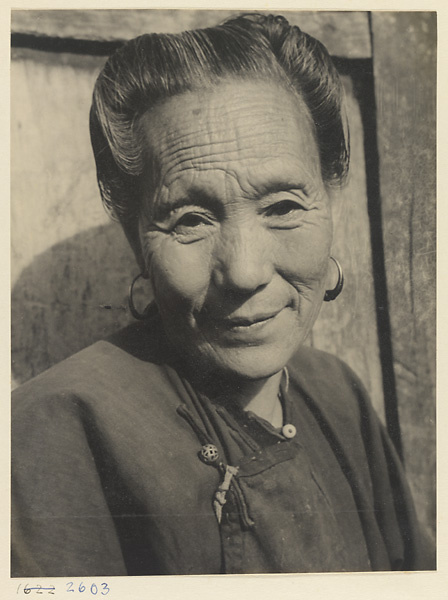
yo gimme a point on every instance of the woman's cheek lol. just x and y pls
(303, 254)
(180, 274)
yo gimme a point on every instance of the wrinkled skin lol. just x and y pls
(236, 229)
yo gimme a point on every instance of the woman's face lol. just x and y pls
(236, 227)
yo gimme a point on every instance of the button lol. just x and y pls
(289, 431)
(209, 453)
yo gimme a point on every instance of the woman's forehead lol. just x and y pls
(236, 126)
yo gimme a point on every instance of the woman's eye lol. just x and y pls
(191, 220)
(192, 226)
(284, 208)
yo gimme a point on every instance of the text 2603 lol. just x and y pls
(93, 589)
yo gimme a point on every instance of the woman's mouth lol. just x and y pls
(249, 321)
(248, 329)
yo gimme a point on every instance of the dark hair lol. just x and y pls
(153, 67)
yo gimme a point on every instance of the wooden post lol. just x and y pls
(404, 58)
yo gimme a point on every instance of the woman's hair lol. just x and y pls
(154, 67)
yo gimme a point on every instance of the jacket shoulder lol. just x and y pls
(334, 394)
(105, 372)
(327, 375)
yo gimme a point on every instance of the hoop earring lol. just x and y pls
(334, 293)
(134, 312)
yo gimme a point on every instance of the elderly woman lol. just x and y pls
(205, 438)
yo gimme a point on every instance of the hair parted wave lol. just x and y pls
(154, 67)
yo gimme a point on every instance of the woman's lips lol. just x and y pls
(248, 328)
(249, 321)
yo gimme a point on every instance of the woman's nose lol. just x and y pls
(244, 259)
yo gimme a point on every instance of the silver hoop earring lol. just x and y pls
(134, 312)
(334, 293)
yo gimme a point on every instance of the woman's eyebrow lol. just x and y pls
(275, 187)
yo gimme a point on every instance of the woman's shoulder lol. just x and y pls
(330, 385)
(320, 367)
(123, 367)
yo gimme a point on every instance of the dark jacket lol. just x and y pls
(108, 478)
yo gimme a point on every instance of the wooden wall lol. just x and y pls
(406, 115)
(71, 266)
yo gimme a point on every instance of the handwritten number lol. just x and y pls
(106, 589)
(69, 585)
(39, 589)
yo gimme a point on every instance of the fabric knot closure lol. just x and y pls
(220, 494)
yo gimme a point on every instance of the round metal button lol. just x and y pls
(209, 453)
(289, 431)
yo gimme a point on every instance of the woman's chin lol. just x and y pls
(254, 352)
(249, 362)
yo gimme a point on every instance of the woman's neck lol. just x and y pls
(260, 396)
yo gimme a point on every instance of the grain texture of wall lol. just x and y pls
(343, 33)
(404, 50)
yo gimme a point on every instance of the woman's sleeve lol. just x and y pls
(61, 523)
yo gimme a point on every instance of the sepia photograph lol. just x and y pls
(223, 292)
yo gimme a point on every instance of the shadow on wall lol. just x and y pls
(70, 296)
